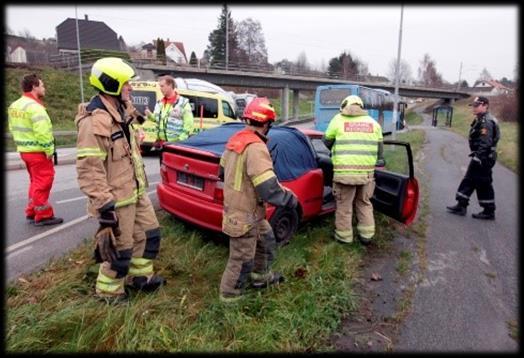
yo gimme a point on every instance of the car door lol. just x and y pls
(396, 188)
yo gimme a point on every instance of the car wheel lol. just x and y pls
(284, 223)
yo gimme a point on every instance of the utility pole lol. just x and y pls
(397, 70)
(79, 57)
(460, 73)
(227, 36)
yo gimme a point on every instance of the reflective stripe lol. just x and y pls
(357, 141)
(40, 117)
(90, 152)
(238, 172)
(42, 207)
(107, 284)
(263, 177)
(354, 152)
(367, 232)
(261, 276)
(462, 195)
(349, 166)
(21, 129)
(33, 143)
(130, 200)
(222, 161)
(477, 160)
(140, 266)
(344, 236)
(486, 201)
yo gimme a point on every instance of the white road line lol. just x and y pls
(13, 254)
(69, 200)
(154, 182)
(45, 234)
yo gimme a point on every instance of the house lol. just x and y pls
(489, 88)
(92, 35)
(176, 52)
(28, 50)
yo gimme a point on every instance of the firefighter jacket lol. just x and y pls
(109, 165)
(174, 118)
(356, 142)
(249, 181)
(31, 126)
(484, 135)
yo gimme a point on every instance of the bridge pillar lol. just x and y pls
(284, 104)
(295, 104)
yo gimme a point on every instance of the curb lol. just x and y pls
(21, 165)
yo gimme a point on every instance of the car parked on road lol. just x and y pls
(191, 190)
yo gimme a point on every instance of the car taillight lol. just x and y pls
(409, 209)
(218, 195)
(163, 173)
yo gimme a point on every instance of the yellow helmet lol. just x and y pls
(349, 100)
(109, 74)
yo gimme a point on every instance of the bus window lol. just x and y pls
(333, 96)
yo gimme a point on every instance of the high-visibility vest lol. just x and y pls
(174, 120)
(31, 126)
(356, 144)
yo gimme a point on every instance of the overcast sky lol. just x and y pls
(478, 36)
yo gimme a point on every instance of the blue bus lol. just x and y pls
(377, 102)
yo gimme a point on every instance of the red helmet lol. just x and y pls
(260, 110)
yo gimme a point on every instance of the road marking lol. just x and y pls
(45, 234)
(13, 254)
(153, 183)
(69, 200)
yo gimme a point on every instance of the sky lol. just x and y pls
(477, 36)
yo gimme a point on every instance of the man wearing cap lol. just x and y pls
(484, 135)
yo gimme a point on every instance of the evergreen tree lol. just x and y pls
(217, 42)
(161, 51)
(193, 61)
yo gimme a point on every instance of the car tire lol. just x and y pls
(284, 223)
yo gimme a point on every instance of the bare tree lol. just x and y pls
(251, 40)
(405, 75)
(302, 64)
(485, 75)
(428, 74)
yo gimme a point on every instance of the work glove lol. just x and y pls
(476, 159)
(105, 245)
(108, 218)
(293, 201)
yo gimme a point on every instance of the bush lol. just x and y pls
(505, 107)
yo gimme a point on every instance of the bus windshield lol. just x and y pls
(377, 102)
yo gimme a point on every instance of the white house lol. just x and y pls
(489, 88)
(18, 55)
(175, 51)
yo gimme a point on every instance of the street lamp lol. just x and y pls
(397, 70)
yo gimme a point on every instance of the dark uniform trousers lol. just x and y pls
(478, 177)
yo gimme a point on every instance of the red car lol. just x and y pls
(192, 191)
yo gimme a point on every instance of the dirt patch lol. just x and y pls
(385, 292)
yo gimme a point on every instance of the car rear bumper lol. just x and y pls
(199, 212)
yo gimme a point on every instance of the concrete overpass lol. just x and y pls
(285, 83)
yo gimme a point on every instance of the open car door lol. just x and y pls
(396, 188)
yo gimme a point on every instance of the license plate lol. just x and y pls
(189, 180)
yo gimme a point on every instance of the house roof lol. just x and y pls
(492, 83)
(179, 46)
(92, 34)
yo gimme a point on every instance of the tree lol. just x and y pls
(161, 50)
(302, 66)
(345, 67)
(193, 61)
(428, 74)
(252, 42)
(485, 75)
(405, 76)
(217, 41)
(285, 66)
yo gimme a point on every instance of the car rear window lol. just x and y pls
(289, 148)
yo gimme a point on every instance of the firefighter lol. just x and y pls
(111, 173)
(249, 181)
(172, 114)
(484, 135)
(355, 140)
(32, 132)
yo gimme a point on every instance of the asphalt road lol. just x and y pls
(470, 290)
(27, 247)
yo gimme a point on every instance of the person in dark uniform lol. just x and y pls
(484, 135)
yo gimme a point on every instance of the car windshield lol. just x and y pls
(289, 148)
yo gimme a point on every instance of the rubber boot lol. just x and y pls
(276, 278)
(142, 283)
(484, 215)
(457, 209)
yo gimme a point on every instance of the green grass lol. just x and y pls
(305, 106)
(507, 148)
(395, 156)
(412, 118)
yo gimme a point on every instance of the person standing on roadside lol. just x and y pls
(484, 135)
(172, 114)
(249, 181)
(355, 140)
(111, 173)
(32, 132)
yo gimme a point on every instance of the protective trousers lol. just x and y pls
(41, 175)
(478, 177)
(137, 244)
(254, 251)
(346, 197)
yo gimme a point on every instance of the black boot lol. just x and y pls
(141, 283)
(457, 209)
(276, 278)
(364, 241)
(484, 215)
